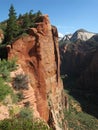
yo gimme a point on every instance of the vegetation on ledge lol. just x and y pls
(77, 117)
(14, 26)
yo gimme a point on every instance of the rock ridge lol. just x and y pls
(38, 57)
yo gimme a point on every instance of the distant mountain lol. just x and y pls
(80, 34)
(94, 38)
(65, 40)
(67, 37)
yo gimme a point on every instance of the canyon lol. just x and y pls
(79, 66)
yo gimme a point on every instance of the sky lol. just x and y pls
(67, 15)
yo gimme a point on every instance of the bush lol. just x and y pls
(14, 98)
(26, 113)
(27, 104)
(79, 120)
(5, 73)
(20, 82)
(40, 125)
(4, 89)
(11, 64)
(23, 124)
(6, 67)
(20, 96)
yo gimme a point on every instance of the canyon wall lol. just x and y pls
(79, 60)
(79, 69)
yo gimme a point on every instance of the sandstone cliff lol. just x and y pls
(38, 56)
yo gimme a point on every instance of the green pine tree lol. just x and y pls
(26, 21)
(39, 13)
(12, 26)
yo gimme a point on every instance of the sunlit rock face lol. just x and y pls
(38, 56)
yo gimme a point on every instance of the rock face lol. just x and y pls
(79, 65)
(78, 56)
(38, 56)
(89, 78)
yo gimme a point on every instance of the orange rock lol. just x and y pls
(38, 56)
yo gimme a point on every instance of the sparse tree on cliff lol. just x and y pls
(12, 26)
(39, 13)
(26, 21)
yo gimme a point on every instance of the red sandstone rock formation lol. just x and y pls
(38, 57)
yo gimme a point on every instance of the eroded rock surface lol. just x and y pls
(38, 56)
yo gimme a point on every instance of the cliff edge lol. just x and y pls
(38, 57)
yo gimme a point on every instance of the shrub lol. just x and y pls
(4, 89)
(14, 98)
(22, 124)
(20, 96)
(26, 113)
(5, 73)
(79, 120)
(11, 64)
(27, 104)
(6, 67)
(40, 125)
(20, 82)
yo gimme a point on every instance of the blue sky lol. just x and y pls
(66, 15)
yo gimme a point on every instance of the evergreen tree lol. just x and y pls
(12, 26)
(26, 21)
(30, 14)
(39, 13)
(20, 17)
